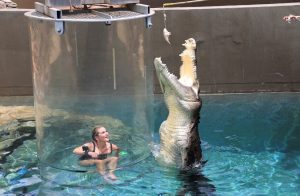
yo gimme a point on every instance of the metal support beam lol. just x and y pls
(62, 3)
(91, 2)
(139, 8)
(52, 12)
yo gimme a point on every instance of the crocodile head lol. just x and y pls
(187, 85)
(188, 70)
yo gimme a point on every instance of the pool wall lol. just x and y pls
(240, 48)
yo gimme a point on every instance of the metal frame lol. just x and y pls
(50, 13)
(61, 3)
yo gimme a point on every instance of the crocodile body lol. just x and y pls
(179, 136)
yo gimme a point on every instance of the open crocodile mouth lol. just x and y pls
(161, 66)
(187, 75)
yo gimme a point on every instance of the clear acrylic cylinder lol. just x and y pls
(91, 74)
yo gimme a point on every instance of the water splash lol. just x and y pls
(154, 147)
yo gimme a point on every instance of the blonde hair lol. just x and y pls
(95, 133)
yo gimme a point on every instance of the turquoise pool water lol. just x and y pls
(251, 142)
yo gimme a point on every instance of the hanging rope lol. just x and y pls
(71, 7)
(166, 33)
(182, 2)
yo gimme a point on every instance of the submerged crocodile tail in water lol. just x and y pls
(179, 137)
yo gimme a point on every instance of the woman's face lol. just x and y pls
(103, 135)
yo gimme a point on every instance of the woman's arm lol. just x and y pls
(117, 149)
(79, 150)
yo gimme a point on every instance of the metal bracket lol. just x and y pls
(59, 27)
(53, 13)
(142, 9)
(148, 21)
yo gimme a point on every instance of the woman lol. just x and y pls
(99, 152)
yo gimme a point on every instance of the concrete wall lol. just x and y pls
(15, 56)
(240, 49)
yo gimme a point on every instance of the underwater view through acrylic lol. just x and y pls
(251, 142)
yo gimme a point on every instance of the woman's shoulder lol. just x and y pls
(114, 146)
(89, 144)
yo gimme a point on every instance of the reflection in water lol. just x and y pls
(195, 183)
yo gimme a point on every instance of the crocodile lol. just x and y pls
(180, 143)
